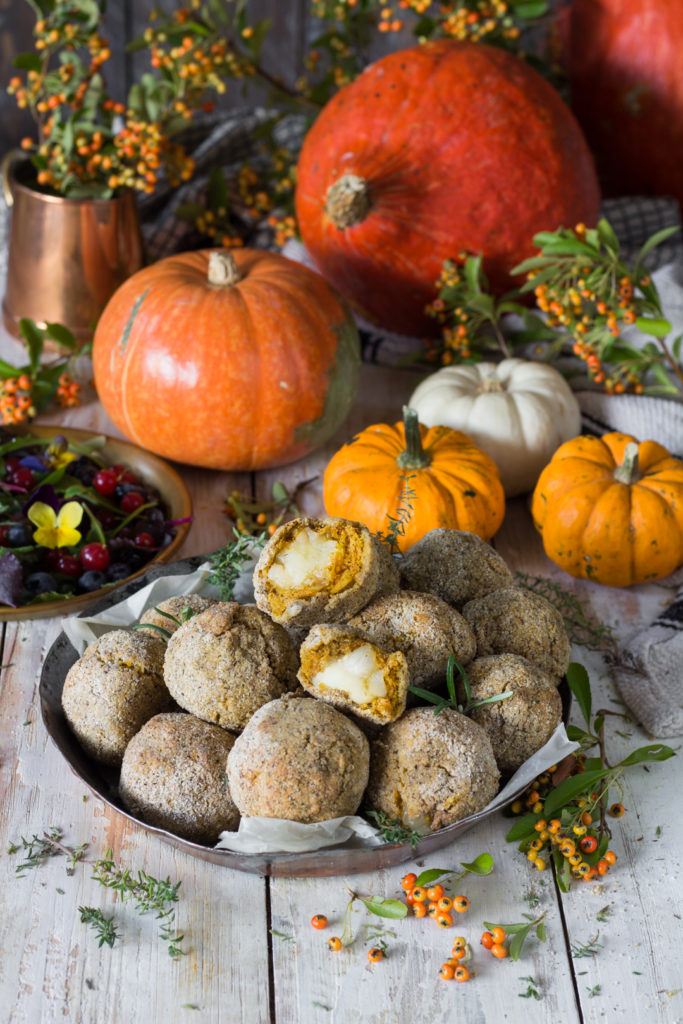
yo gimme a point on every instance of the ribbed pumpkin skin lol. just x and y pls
(626, 75)
(460, 490)
(598, 529)
(463, 147)
(242, 377)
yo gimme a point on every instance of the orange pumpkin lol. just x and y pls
(235, 361)
(610, 509)
(438, 475)
(443, 147)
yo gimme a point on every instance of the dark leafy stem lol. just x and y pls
(452, 700)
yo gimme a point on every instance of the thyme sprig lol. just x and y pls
(452, 701)
(404, 511)
(104, 926)
(589, 948)
(582, 625)
(148, 894)
(391, 829)
(227, 563)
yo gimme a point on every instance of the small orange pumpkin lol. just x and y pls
(610, 509)
(237, 360)
(438, 474)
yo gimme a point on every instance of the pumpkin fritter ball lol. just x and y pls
(178, 608)
(224, 663)
(455, 565)
(113, 689)
(299, 759)
(321, 570)
(516, 621)
(519, 725)
(173, 777)
(424, 627)
(430, 770)
(342, 666)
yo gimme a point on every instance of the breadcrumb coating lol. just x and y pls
(455, 565)
(299, 759)
(173, 776)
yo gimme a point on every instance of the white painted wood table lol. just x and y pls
(236, 969)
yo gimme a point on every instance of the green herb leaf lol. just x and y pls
(522, 827)
(571, 788)
(386, 907)
(652, 752)
(481, 865)
(579, 684)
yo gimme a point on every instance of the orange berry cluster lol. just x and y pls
(449, 309)
(455, 968)
(16, 399)
(575, 839)
(68, 392)
(590, 305)
(494, 941)
(432, 901)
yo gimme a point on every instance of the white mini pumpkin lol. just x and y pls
(518, 411)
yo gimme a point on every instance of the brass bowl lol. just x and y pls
(152, 470)
(103, 782)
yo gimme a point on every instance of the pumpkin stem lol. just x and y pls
(347, 201)
(414, 456)
(223, 270)
(490, 383)
(627, 472)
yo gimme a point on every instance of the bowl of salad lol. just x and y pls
(81, 513)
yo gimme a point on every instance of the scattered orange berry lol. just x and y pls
(487, 940)
(444, 919)
(498, 935)
(447, 972)
(408, 882)
(435, 892)
(419, 910)
(319, 921)
(499, 950)
(460, 904)
(616, 810)
(334, 943)
(419, 894)
(375, 955)
(461, 973)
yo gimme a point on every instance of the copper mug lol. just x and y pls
(66, 256)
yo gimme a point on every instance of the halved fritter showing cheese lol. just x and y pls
(320, 570)
(343, 667)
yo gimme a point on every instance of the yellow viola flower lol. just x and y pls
(58, 454)
(56, 529)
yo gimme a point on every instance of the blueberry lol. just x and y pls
(40, 583)
(19, 536)
(124, 488)
(118, 571)
(91, 580)
(84, 469)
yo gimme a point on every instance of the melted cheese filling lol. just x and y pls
(307, 560)
(358, 674)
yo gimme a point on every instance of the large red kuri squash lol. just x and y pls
(625, 61)
(228, 360)
(444, 147)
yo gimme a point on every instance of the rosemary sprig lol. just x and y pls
(452, 700)
(104, 926)
(226, 564)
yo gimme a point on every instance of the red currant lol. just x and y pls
(105, 481)
(95, 556)
(3, 534)
(68, 565)
(131, 501)
(144, 540)
(22, 477)
(11, 463)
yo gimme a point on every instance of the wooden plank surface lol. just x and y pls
(52, 970)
